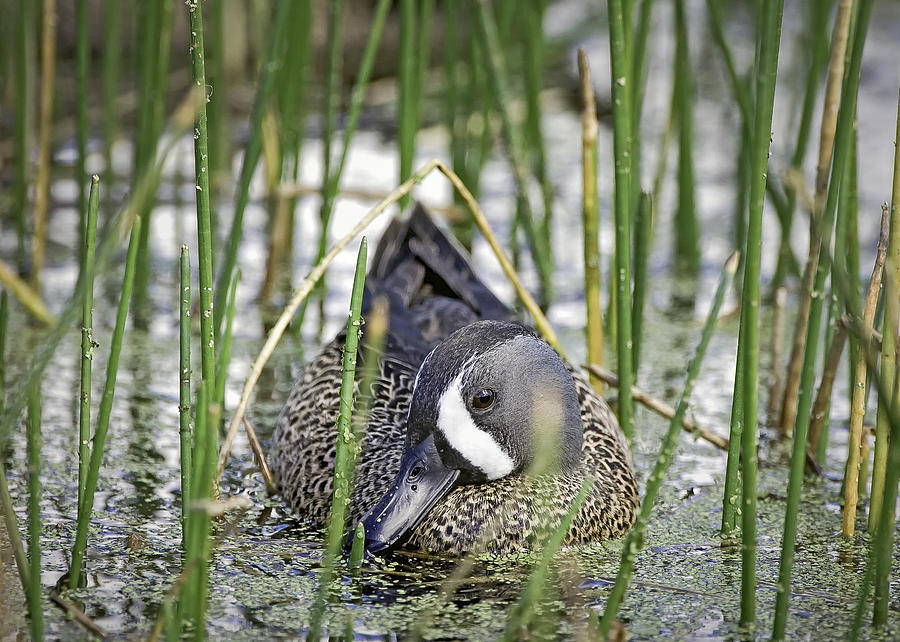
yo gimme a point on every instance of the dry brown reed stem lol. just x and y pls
(279, 237)
(274, 336)
(45, 126)
(296, 190)
(78, 615)
(257, 449)
(823, 396)
(659, 407)
(28, 297)
(823, 166)
(590, 216)
(777, 347)
(858, 399)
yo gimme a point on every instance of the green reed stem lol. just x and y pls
(87, 335)
(643, 246)
(741, 92)
(23, 113)
(208, 328)
(224, 355)
(184, 390)
(86, 506)
(635, 539)
(888, 351)
(10, 520)
(4, 324)
(332, 99)
(534, 139)
(817, 40)
(515, 142)
(357, 549)
(203, 460)
(35, 609)
(769, 39)
(332, 178)
(886, 467)
(883, 544)
(217, 108)
(156, 89)
(825, 225)
(346, 439)
(112, 53)
(590, 213)
(148, 17)
(267, 77)
(638, 87)
(732, 495)
(622, 118)
(521, 614)
(82, 52)
(345, 457)
(292, 103)
(687, 235)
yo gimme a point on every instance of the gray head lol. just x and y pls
(492, 400)
(499, 401)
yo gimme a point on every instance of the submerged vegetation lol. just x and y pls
(489, 76)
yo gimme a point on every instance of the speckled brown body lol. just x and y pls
(501, 516)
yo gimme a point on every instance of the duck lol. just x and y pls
(479, 435)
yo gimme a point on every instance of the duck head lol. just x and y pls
(492, 400)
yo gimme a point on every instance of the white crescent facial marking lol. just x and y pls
(475, 445)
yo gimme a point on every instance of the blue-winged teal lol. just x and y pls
(464, 399)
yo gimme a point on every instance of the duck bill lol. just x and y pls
(422, 481)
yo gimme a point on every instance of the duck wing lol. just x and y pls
(431, 286)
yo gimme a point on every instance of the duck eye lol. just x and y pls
(482, 399)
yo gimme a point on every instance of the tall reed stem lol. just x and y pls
(45, 140)
(23, 118)
(345, 458)
(203, 460)
(34, 588)
(769, 40)
(87, 335)
(858, 397)
(635, 539)
(825, 223)
(86, 507)
(687, 236)
(622, 117)
(833, 98)
(643, 246)
(887, 450)
(332, 178)
(590, 219)
(223, 356)
(251, 155)
(112, 46)
(208, 328)
(498, 74)
(184, 390)
(82, 52)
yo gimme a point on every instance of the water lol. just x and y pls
(264, 574)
